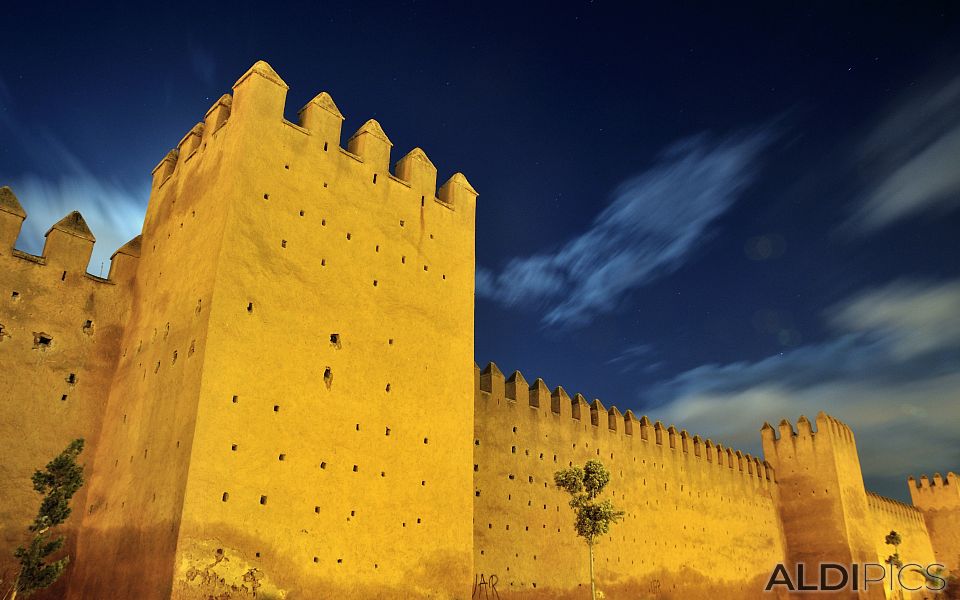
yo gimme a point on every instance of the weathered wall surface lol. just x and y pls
(886, 515)
(59, 337)
(136, 492)
(332, 448)
(823, 505)
(810, 510)
(828, 516)
(277, 389)
(701, 519)
(939, 502)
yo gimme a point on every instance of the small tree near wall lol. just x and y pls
(592, 517)
(58, 482)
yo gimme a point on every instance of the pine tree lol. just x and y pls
(58, 482)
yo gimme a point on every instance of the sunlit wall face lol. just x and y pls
(717, 218)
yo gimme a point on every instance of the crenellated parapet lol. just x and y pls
(68, 244)
(785, 441)
(216, 117)
(496, 390)
(123, 262)
(938, 500)
(372, 145)
(826, 424)
(936, 493)
(898, 510)
(12, 216)
(258, 103)
(322, 117)
(61, 331)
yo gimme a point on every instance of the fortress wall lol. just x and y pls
(136, 490)
(60, 329)
(939, 501)
(888, 515)
(274, 382)
(812, 518)
(701, 519)
(852, 493)
(333, 441)
(823, 504)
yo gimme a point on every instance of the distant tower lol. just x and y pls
(823, 504)
(294, 398)
(939, 501)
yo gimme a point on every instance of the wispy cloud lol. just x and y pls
(911, 159)
(913, 319)
(653, 223)
(114, 211)
(639, 357)
(891, 371)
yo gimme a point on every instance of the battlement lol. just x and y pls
(939, 492)
(68, 246)
(258, 103)
(196, 416)
(492, 385)
(827, 428)
(895, 508)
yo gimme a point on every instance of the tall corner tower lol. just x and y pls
(939, 502)
(293, 412)
(823, 503)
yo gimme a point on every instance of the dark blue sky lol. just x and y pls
(717, 216)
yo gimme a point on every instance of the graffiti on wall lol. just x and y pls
(485, 587)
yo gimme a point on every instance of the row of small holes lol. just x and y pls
(323, 222)
(316, 509)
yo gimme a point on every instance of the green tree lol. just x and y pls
(58, 482)
(592, 516)
(893, 539)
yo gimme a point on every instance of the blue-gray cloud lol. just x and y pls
(651, 226)
(891, 371)
(640, 357)
(114, 211)
(912, 159)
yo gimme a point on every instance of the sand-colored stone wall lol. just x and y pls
(60, 330)
(939, 501)
(277, 389)
(701, 520)
(133, 512)
(916, 551)
(268, 426)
